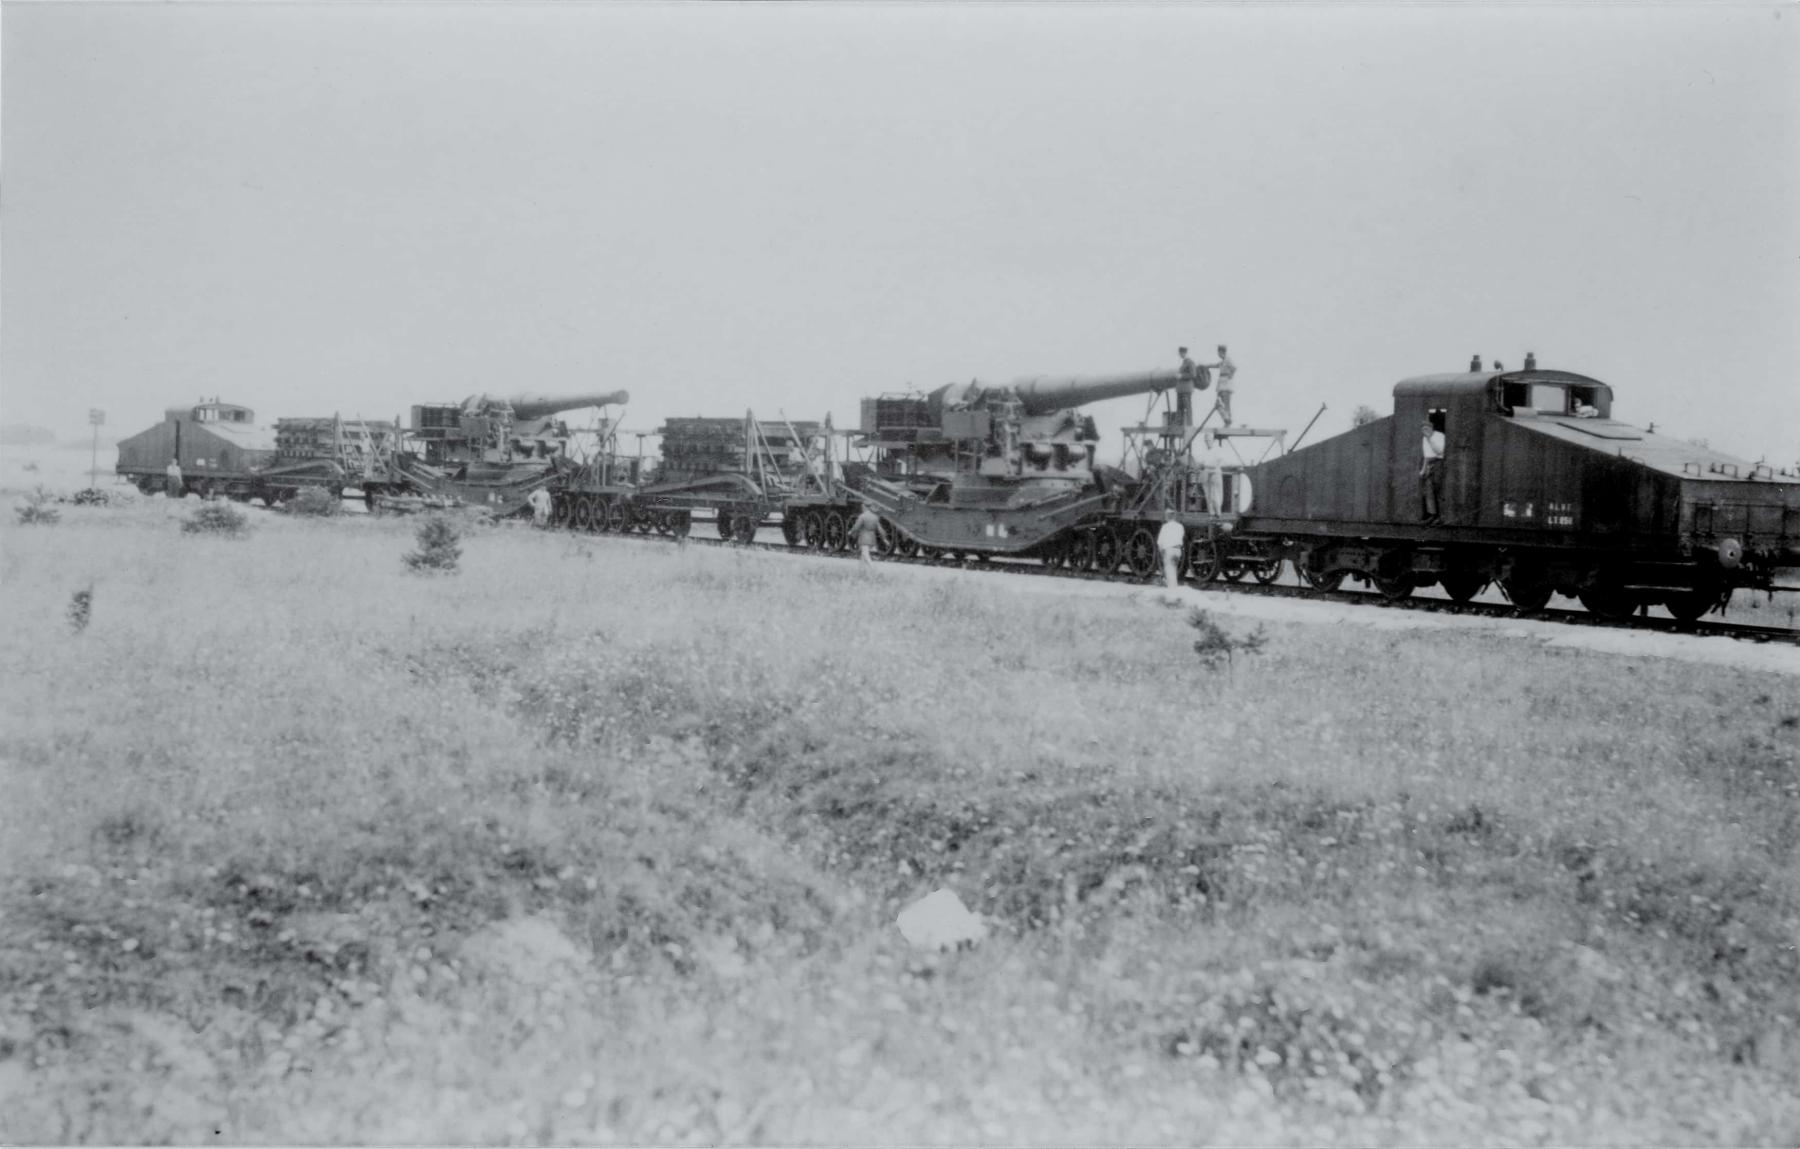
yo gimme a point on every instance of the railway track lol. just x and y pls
(1738, 631)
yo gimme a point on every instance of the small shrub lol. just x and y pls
(217, 517)
(316, 501)
(91, 497)
(36, 510)
(1215, 644)
(439, 547)
(81, 605)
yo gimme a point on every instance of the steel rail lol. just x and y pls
(1738, 631)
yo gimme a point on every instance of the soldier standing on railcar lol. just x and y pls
(1227, 373)
(1431, 470)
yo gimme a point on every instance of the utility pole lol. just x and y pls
(96, 417)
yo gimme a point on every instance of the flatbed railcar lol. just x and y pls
(739, 473)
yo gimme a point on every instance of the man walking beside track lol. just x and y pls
(1169, 540)
(864, 528)
(540, 506)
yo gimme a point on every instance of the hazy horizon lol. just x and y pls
(354, 208)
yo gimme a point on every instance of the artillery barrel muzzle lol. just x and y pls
(1042, 394)
(535, 405)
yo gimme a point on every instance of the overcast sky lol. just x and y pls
(354, 207)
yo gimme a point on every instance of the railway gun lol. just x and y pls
(1011, 470)
(488, 451)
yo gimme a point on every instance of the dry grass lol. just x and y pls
(602, 841)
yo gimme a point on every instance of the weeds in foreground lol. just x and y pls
(217, 517)
(1215, 644)
(314, 501)
(439, 547)
(81, 605)
(36, 509)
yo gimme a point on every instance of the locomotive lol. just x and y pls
(1541, 491)
(224, 451)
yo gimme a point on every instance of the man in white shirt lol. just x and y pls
(1169, 540)
(540, 506)
(1431, 469)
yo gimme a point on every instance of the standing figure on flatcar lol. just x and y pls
(1431, 470)
(1227, 374)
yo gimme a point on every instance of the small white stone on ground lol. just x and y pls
(940, 921)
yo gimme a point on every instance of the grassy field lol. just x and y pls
(603, 842)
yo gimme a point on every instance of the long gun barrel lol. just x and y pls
(532, 405)
(1042, 394)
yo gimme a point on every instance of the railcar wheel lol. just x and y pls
(812, 529)
(1461, 587)
(790, 528)
(1324, 582)
(837, 537)
(1054, 554)
(618, 515)
(1395, 589)
(1081, 551)
(906, 546)
(1202, 560)
(886, 538)
(1690, 606)
(1106, 551)
(931, 554)
(725, 523)
(1267, 572)
(665, 524)
(744, 529)
(560, 511)
(1608, 602)
(1235, 570)
(1529, 595)
(1140, 553)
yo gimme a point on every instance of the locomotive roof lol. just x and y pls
(1658, 452)
(1482, 380)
